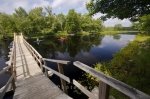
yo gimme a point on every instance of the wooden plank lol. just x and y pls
(84, 90)
(58, 74)
(35, 85)
(120, 86)
(38, 87)
(56, 61)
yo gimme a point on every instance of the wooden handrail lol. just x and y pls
(32, 48)
(58, 74)
(120, 86)
(5, 69)
(35, 54)
(74, 82)
(56, 61)
(84, 90)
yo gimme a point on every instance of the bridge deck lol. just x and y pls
(31, 83)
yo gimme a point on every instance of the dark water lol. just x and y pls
(87, 49)
(3, 58)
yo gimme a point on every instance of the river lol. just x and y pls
(87, 49)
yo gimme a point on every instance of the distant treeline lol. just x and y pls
(42, 21)
(119, 27)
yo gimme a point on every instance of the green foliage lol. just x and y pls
(92, 81)
(89, 24)
(39, 21)
(6, 24)
(62, 21)
(135, 26)
(144, 24)
(131, 9)
(130, 65)
(73, 22)
(118, 27)
(133, 66)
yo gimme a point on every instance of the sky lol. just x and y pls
(58, 6)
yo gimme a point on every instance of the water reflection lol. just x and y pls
(3, 58)
(87, 49)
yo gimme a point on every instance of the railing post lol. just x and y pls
(63, 83)
(13, 80)
(103, 90)
(45, 70)
(14, 59)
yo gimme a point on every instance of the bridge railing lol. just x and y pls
(105, 82)
(11, 69)
(35, 54)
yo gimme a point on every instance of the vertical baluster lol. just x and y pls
(45, 70)
(12, 68)
(103, 90)
(63, 83)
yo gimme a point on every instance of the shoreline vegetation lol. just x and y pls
(64, 34)
(133, 67)
(41, 22)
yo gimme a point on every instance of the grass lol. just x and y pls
(142, 38)
(113, 32)
(133, 67)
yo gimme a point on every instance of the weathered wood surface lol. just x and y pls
(57, 61)
(84, 90)
(31, 83)
(120, 86)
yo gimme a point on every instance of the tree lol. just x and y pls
(118, 27)
(72, 22)
(48, 10)
(131, 9)
(7, 25)
(62, 20)
(89, 24)
(36, 17)
(20, 12)
(20, 18)
(135, 26)
(144, 23)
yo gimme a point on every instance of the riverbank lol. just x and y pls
(64, 34)
(130, 65)
(118, 32)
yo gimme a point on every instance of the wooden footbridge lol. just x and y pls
(30, 78)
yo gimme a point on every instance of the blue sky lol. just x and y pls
(58, 6)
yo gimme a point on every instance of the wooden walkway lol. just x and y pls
(31, 83)
(29, 77)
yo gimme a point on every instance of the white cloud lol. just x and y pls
(98, 15)
(57, 3)
(112, 22)
(40, 3)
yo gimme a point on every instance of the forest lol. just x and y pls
(41, 21)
